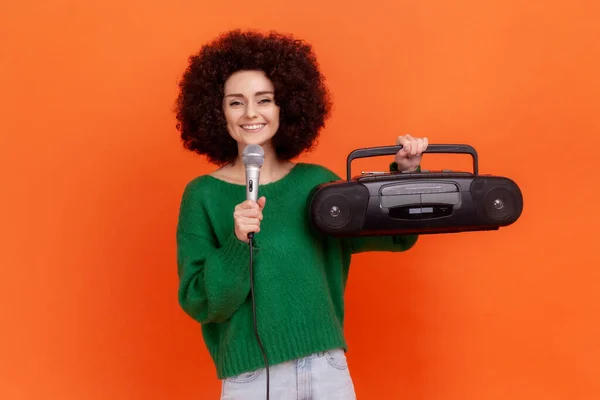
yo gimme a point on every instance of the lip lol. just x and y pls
(257, 127)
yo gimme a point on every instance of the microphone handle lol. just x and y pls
(252, 179)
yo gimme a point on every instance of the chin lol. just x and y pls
(258, 139)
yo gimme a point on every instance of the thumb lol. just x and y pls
(261, 202)
(405, 150)
(401, 154)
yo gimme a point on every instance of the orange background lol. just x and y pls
(92, 173)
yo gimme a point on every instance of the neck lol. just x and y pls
(272, 168)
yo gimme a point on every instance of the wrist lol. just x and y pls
(416, 168)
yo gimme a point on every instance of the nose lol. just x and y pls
(250, 111)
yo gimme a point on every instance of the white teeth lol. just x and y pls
(253, 127)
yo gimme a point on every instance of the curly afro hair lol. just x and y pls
(289, 63)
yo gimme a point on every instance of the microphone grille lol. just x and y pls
(253, 155)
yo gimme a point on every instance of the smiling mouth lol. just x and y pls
(253, 127)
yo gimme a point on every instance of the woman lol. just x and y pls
(248, 88)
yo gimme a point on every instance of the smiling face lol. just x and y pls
(250, 110)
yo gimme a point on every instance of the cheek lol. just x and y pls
(274, 116)
(231, 117)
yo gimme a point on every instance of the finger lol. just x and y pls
(401, 154)
(425, 144)
(243, 222)
(248, 223)
(420, 146)
(249, 204)
(261, 202)
(248, 213)
(251, 212)
(402, 140)
(243, 206)
(250, 219)
(414, 147)
(407, 147)
(250, 228)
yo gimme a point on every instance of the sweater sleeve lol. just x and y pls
(395, 243)
(214, 278)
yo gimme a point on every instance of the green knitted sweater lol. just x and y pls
(299, 275)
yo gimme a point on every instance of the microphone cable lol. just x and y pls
(264, 354)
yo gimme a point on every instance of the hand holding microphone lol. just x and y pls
(247, 215)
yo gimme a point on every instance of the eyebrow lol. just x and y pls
(241, 95)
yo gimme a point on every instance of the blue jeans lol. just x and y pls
(319, 376)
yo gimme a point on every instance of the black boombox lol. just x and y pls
(394, 203)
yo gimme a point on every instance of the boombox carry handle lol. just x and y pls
(391, 150)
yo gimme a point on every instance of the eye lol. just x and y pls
(235, 103)
(264, 101)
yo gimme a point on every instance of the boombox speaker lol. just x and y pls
(423, 202)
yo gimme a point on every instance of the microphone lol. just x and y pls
(253, 157)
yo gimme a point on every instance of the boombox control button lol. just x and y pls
(441, 198)
(400, 200)
(418, 187)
